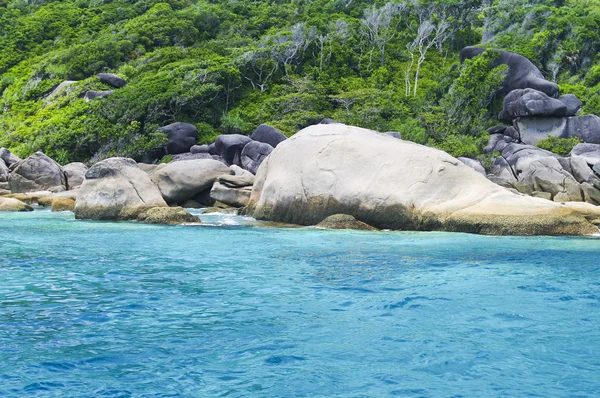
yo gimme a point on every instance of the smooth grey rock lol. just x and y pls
(474, 164)
(112, 80)
(37, 173)
(586, 128)
(230, 147)
(327, 120)
(572, 102)
(580, 169)
(148, 167)
(61, 88)
(200, 149)
(393, 134)
(180, 137)
(522, 73)
(190, 156)
(501, 172)
(589, 152)
(590, 193)
(530, 102)
(509, 131)
(93, 94)
(254, 154)
(395, 184)
(212, 149)
(535, 129)
(8, 158)
(238, 171)
(235, 197)
(75, 174)
(236, 181)
(497, 143)
(180, 181)
(4, 172)
(268, 134)
(116, 189)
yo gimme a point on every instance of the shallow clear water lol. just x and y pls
(120, 309)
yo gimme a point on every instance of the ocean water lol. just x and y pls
(240, 309)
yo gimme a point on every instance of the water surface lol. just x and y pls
(236, 309)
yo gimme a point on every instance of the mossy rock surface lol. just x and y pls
(167, 216)
(63, 204)
(344, 221)
(11, 204)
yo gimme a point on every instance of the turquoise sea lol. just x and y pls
(240, 309)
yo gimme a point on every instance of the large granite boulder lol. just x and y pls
(394, 184)
(530, 102)
(116, 189)
(534, 129)
(112, 80)
(268, 134)
(93, 94)
(589, 152)
(548, 175)
(180, 181)
(4, 172)
(37, 173)
(8, 158)
(254, 154)
(522, 73)
(230, 147)
(75, 174)
(586, 128)
(180, 137)
(11, 204)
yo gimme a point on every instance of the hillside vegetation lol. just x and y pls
(227, 66)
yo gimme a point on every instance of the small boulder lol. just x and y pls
(344, 221)
(37, 173)
(590, 193)
(234, 181)
(75, 174)
(327, 120)
(393, 134)
(180, 137)
(167, 216)
(8, 158)
(180, 181)
(530, 102)
(4, 172)
(238, 171)
(112, 80)
(200, 149)
(230, 147)
(116, 189)
(191, 156)
(63, 204)
(580, 169)
(93, 94)
(497, 143)
(235, 197)
(589, 152)
(254, 154)
(269, 135)
(572, 103)
(11, 204)
(191, 204)
(474, 164)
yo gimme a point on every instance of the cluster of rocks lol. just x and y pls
(534, 111)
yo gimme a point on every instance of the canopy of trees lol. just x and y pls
(227, 66)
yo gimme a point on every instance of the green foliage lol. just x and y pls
(559, 146)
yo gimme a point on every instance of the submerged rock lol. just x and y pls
(344, 221)
(116, 189)
(167, 216)
(37, 173)
(393, 184)
(11, 204)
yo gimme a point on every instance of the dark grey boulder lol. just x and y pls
(522, 73)
(586, 128)
(328, 121)
(37, 173)
(530, 102)
(190, 156)
(230, 146)
(497, 143)
(589, 152)
(268, 134)
(572, 103)
(93, 94)
(200, 149)
(112, 80)
(474, 164)
(4, 172)
(8, 158)
(253, 155)
(180, 137)
(212, 149)
(394, 134)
